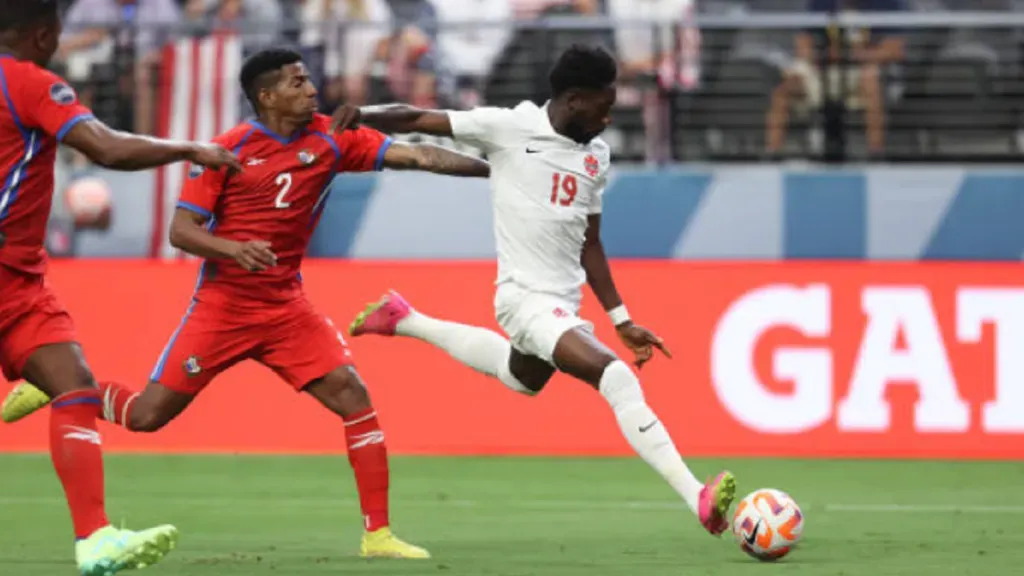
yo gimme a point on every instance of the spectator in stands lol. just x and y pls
(529, 9)
(672, 54)
(473, 33)
(655, 39)
(350, 33)
(867, 53)
(408, 59)
(258, 21)
(117, 43)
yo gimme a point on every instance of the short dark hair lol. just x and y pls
(18, 14)
(583, 68)
(259, 71)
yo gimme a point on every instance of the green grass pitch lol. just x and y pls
(256, 516)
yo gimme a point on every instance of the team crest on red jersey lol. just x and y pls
(191, 366)
(592, 165)
(62, 94)
(307, 157)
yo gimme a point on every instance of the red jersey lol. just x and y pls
(278, 197)
(36, 111)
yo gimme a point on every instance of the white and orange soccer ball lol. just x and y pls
(768, 524)
(90, 202)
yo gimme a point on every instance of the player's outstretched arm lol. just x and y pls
(638, 339)
(393, 118)
(595, 263)
(189, 233)
(430, 158)
(119, 150)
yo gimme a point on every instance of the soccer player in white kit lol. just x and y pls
(548, 173)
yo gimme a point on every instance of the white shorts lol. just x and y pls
(535, 321)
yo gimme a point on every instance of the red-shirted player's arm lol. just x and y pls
(202, 190)
(189, 230)
(189, 233)
(47, 102)
(365, 149)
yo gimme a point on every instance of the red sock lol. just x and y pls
(117, 403)
(78, 458)
(369, 458)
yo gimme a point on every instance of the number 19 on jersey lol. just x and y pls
(563, 189)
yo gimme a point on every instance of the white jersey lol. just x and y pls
(544, 187)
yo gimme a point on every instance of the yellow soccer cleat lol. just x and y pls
(22, 401)
(110, 550)
(383, 543)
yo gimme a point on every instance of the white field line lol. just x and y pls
(329, 504)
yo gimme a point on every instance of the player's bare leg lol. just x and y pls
(146, 411)
(342, 391)
(580, 354)
(479, 348)
(75, 446)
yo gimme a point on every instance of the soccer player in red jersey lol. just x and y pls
(252, 229)
(38, 110)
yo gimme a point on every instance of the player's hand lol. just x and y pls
(214, 156)
(641, 342)
(345, 117)
(254, 255)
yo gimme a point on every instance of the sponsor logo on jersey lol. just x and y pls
(195, 171)
(307, 157)
(254, 161)
(191, 366)
(62, 94)
(592, 165)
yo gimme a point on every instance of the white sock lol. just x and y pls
(479, 348)
(645, 433)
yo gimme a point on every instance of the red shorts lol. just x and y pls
(30, 317)
(294, 340)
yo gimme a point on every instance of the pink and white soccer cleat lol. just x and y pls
(715, 500)
(381, 317)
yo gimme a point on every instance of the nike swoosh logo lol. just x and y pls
(648, 427)
(752, 538)
(532, 151)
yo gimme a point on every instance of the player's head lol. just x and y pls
(583, 82)
(277, 82)
(30, 29)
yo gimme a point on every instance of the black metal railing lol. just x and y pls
(951, 91)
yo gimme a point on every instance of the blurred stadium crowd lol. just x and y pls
(702, 79)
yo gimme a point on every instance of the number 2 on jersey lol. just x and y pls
(563, 189)
(284, 180)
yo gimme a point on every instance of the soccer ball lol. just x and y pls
(767, 524)
(90, 202)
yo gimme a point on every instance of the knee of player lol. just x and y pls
(146, 419)
(529, 385)
(619, 385)
(81, 379)
(85, 378)
(598, 368)
(341, 391)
